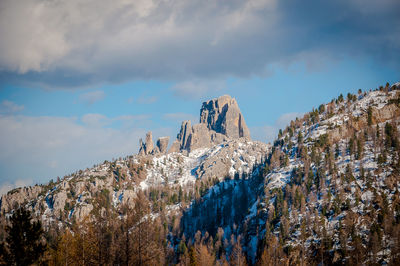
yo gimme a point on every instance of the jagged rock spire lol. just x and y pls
(220, 120)
(223, 116)
(148, 147)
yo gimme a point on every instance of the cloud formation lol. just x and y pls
(81, 43)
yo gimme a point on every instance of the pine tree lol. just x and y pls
(23, 244)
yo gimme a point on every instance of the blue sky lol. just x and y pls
(81, 82)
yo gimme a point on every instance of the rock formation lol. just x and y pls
(142, 147)
(184, 133)
(148, 147)
(162, 145)
(149, 142)
(223, 116)
(220, 120)
(197, 136)
(18, 196)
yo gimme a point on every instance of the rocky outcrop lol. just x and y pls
(82, 211)
(59, 201)
(223, 116)
(148, 147)
(196, 136)
(220, 120)
(202, 137)
(142, 147)
(162, 145)
(149, 142)
(17, 197)
(184, 134)
(232, 157)
(388, 112)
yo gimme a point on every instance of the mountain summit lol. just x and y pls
(223, 116)
(220, 120)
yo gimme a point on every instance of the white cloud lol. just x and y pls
(269, 133)
(8, 107)
(92, 97)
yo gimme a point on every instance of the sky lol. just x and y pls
(82, 81)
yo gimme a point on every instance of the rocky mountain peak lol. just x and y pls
(220, 120)
(223, 116)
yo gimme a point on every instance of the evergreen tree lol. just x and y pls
(23, 244)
